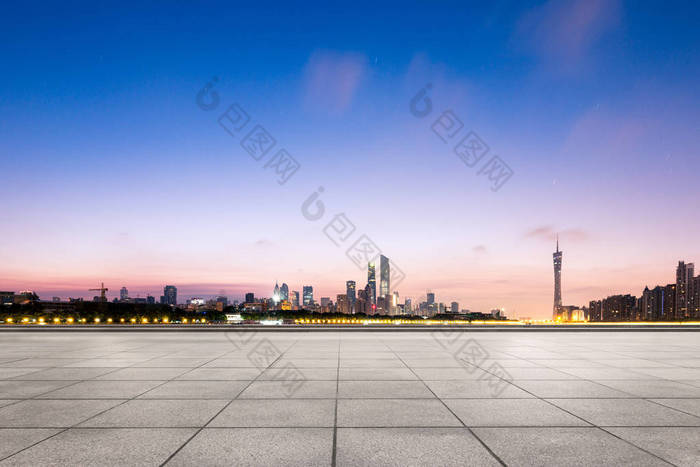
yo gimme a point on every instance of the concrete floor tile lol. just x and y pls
(290, 389)
(196, 390)
(257, 447)
(625, 412)
(573, 388)
(52, 413)
(476, 389)
(677, 445)
(511, 412)
(13, 440)
(410, 447)
(11, 389)
(394, 413)
(691, 406)
(108, 447)
(277, 413)
(158, 413)
(376, 374)
(383, 389)
(102, 390)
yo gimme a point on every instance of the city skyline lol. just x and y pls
(594, 107)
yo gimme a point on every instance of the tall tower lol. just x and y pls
(684, 289)
(350, 292)
(557, 281)
(384, 274)
(372, 283)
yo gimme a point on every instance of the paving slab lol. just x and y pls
(104, 447)
(563, 447)
(258, 447)
(410, 447)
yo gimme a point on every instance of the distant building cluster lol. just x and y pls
(671, 302)
(368, 300)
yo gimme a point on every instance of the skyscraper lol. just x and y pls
(557, 255)
(308, 295)
(684, 289)
(250, 297)
(295, 300)
(276, 294)
(384, 283)
(350, 293)
(372, 283)
(123, 294)
(170, 295)
(284, 292)
(454, 307)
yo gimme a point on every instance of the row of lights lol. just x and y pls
(70, 320)
(398, 321)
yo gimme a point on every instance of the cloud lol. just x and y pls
(480, 249)
(263, 243)
(331, 80)
(565, 30)
(548, 233)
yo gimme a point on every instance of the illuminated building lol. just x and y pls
(384, 276)
(295, 300)
(372, 283)
(284, 292)
(169, 295)
(350, 293)
(557, 256)
(123, 294)
(276, 295)
(684, 289)
(307, 295)
(342, 304)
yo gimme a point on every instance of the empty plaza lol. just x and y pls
(350, 398)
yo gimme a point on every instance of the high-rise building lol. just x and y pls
(668, 305)
(595, 312)
(430, 298)
(454, 307)
(284, 292)
(350, 293)
(325, 302)
(276, 295)
(150, 299)
(695, 305)
(407, 308)
(295, 300)
(618, 308)
(250, 297)
(372, 283)
(169, 295)
(384, 273)
(308, 295)
(685, 273)
(123, 294)
(557, 256)
(342, 304)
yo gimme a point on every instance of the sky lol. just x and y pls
(116, 169)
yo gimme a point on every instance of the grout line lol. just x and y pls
(478, 438)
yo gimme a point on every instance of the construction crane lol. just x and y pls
(103, 290)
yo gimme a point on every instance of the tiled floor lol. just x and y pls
(350, 398)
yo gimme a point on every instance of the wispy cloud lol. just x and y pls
(548, 233)
(331, 80)
(263, 243)
(565, 30)
(479, 249)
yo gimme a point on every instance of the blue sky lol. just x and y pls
(117, 175)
